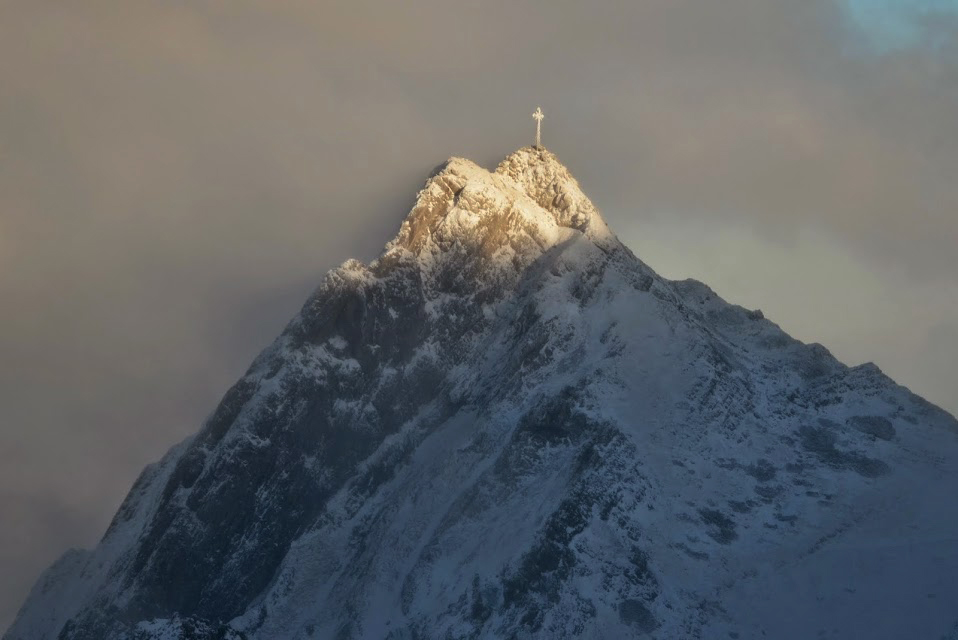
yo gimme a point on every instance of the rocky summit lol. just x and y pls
(508, 426)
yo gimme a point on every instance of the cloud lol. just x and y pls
(175, 178)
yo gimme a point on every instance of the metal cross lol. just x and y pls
(538, 115)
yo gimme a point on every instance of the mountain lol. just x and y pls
(508, 426)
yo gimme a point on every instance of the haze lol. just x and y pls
(176, 177)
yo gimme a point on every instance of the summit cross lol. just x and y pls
(538, 115)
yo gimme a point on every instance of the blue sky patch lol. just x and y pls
(892, 25)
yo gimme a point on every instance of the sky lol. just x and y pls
(176, 177)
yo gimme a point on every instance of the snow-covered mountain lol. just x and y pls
(508, 426)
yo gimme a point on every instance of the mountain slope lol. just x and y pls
(509, 426)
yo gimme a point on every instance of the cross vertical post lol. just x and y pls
(538, 115)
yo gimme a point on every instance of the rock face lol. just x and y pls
(508, 426)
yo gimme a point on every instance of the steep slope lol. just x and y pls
(509, 426)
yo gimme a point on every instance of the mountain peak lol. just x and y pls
(508, 426)
(541, 175)
(529, 202)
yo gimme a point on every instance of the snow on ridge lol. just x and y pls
(512, 213)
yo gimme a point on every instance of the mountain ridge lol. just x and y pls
(507, 425)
